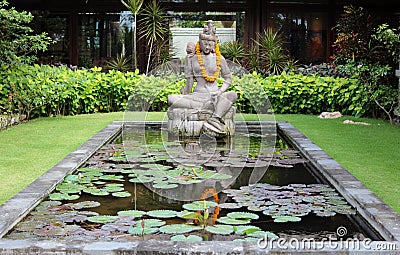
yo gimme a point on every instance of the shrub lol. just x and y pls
(42, 90)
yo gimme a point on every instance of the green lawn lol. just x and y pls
(371, 153)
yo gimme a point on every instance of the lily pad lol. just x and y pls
(151, 223)
(162, 213)
(137, 230)
(62, 196)
(243, 215)
(247, 229)
(199, 205)
(133, 213)
(187, 215)
(220, 229)
(178, 228)
(85, 204)
(111, 177)
(229, 206)
(231, 221)
(263, 234)
(121, 194)
(286, 219)
(165, 185)
(189, 238)
(102, 219)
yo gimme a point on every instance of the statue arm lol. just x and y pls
(226, 75)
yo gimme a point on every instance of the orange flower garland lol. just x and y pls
(201, 62)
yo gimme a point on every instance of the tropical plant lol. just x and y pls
(120, 63)
(233, 51)
(273, 57)
(18, 43)
(353, 29)
(154, 26)
(133, 6)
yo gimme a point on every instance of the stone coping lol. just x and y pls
(380, 215)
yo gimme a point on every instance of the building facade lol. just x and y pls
(91, 32)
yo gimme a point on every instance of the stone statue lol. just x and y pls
(208, 105)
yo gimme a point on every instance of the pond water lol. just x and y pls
(149, 185)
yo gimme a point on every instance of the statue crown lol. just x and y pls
(209, 32)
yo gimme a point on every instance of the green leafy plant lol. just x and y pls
(154, 26)
(273, 57)
(18, 43)
(233, 51)
(120, 63)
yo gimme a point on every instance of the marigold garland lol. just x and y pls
(201, 62)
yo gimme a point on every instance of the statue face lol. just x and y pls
(207, 46)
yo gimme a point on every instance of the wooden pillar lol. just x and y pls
(330, 33)
(73, 38)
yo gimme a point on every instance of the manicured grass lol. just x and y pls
(371, 153)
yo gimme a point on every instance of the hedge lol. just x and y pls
(42, 90)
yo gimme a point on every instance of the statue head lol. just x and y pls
(208, 38)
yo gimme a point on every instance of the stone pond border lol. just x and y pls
(379, 215)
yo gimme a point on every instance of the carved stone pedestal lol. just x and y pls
(190, 122)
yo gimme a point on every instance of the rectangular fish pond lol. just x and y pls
(134, 184)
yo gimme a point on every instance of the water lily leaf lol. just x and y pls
(247, 229)
(102, 219)
(128, 171)
(187, 215)
(62, 196)
(85, 204)
(178, 228)
(111, 177)
(286, 219)
(231, 221)
(229, 206)
(221, 176)
(263, 234)
(165, 185)
(138, 230)
(151, 223)
(67, 187)
(97, 192)
(325, 213)
(50, 230)
(220, 229)
(199, 205)
(256, 208)
(133, 213)
(242, 215)
(190, 238)
(162, 213)
(142, 179)
(121, 194)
